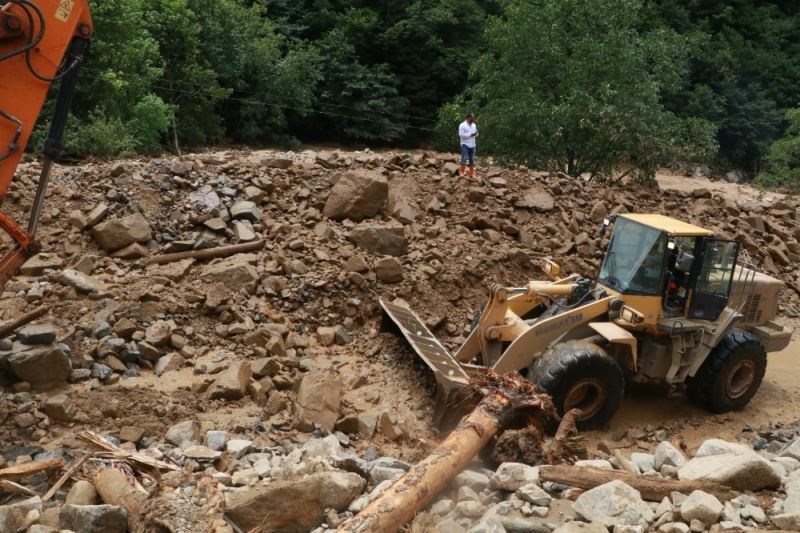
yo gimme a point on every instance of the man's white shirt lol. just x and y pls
(465, 131)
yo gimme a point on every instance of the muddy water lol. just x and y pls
(778, 400)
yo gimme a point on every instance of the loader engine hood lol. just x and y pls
(757, 296)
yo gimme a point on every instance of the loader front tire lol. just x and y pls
(731, 374)
(579, 374)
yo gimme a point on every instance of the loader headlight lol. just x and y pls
(631, 315)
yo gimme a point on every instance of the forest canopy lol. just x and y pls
(586, 86)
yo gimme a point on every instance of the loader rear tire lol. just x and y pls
(731, 374)
(579, 374)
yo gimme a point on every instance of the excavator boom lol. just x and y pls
(41, 42)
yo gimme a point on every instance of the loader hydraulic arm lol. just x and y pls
(41, 42)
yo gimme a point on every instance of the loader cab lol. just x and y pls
(665, 268)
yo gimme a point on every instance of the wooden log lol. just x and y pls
(15, 488)
(135, 459)
(13, 325)
(209, 253)
(115, 489)
(652, 488)
(420, 485)
(28, 469)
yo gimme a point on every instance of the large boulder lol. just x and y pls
(44, 368)
(614, 504)
(357, 196)
(742, 471)
(380, 239)
(118, 233)
(538, 199)
(318, 400)
(293, 506)
(235, 273)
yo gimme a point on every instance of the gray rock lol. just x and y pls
(201, 453)
(470, 509)
(792, 450)
(296, 505)
(400, 208)
(701, 506)
(645, 462)
(184, 434)
(79, 281)
(246, 210)
(216, 440)
(667, 454)
(628, 529)
(787, 521)
(357, 196)
(94, 518)
(475, 480)
(118, 233)
(15, 517)
(380, 239)
(719, 446)
(44, 368)
(534, 495)
(613, 503)
(742, 471)
(60, 408)
(37, 334)
(442, 507)
(511, 477)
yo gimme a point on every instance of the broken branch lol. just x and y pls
(209, 253)
(653, 489)
(13, 325)
(116, 452)
(68, 474)
(28, 469)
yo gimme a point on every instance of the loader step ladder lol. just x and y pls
(449, 374)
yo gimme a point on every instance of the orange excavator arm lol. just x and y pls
(42, 42)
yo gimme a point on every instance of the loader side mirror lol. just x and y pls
(551, 268)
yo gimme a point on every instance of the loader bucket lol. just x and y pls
(452, 381)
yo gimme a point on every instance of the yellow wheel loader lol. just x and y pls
(671, 303)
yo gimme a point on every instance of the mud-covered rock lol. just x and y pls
(118, 233)
(356, 196)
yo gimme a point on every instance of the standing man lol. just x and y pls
(467, 132)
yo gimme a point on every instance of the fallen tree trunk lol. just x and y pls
(652, 489)
(415, 490)
(209, 253)
(507, 400)
(9, 327)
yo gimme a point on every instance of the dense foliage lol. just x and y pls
(660, 79)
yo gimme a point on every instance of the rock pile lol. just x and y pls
(268, 351)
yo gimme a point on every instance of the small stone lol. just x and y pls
(239, 447)
(389, 270)
(534, 495)
(667, 454)
(613, 503)
(701, 506)
(511, 477)
(184, 433)
(202, 453)
(217, 440)
(131, 434)
(59, 407)
(246, 210)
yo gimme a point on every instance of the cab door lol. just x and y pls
(713, 281)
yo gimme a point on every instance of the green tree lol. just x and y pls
(783, 158)
(574, 86)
